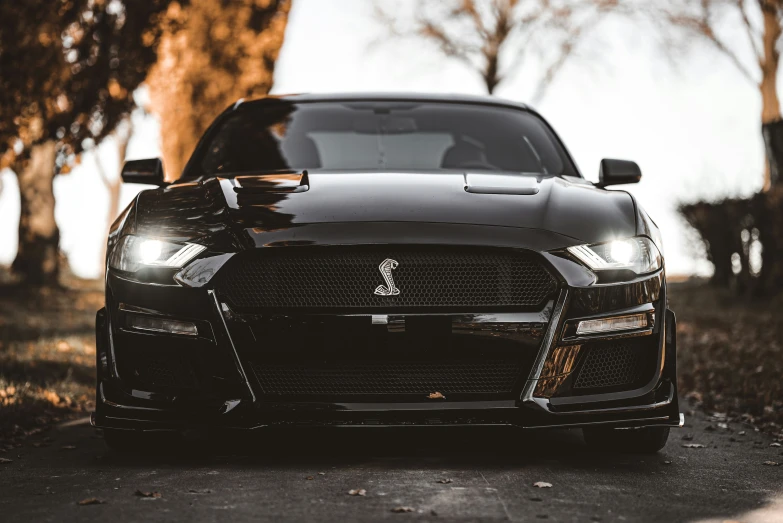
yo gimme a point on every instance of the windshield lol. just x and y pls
(275, 135)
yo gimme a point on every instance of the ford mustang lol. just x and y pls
(385, 260)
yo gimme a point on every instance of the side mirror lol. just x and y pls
(148, 172)
(618, 172)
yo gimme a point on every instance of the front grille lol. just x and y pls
(388, 377)
(616, 363)
(347, 278)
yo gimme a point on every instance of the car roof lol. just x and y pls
(394, 97)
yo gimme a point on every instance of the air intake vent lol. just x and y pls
(350, 278)
(616, 364)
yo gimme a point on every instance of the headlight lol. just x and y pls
(134, 252)
(639, 255)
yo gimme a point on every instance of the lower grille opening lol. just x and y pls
(388, 378)
(617, 364)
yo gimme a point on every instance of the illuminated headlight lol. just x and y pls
(134, 252)
(618, 323)
(638, 254)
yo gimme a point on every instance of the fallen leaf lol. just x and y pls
(444, 481)
(6, 460)
(91, 501)
(403, 509)
(322, 473)
(723, 426)
(693, 446)
(357, 492)
(775, 444)
(310, 478)
(741, 433)
(542, 484)
(436, 396)
(143, 494)
(772, 463)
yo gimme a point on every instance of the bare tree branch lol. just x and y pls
(481, 34)
(753, 35)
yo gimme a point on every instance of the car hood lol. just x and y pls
(271, 203)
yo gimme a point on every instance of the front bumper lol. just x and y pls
(543, 397)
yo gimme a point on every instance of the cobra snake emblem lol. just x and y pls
(386, 267)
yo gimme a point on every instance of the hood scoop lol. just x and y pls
(272, 183)
(518, 184)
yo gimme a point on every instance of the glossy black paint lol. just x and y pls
(543, 214)
(618, 172)
(148, 172)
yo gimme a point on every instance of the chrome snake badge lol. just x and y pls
(386, 267)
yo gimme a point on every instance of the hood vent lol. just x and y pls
(281, 182)
(518, 184)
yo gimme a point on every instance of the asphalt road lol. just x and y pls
(306, 476)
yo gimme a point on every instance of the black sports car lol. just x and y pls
(385, 260)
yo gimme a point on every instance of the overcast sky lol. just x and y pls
(694, 130)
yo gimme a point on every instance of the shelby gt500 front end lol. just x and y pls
(475, 281)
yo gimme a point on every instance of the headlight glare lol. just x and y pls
(134, 252)
(638, 254)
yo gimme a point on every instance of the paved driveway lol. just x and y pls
(441, 474)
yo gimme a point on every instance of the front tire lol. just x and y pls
(647, 440)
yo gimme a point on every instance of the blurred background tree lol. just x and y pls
(211, 54)
(743, 238)
(756, 56)
(68, 70)
(497, 38)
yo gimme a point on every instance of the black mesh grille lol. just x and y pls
(388, 378)
(614, 364)
(346, 278)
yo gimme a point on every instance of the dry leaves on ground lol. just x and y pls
(693, 446)
(542, 484)
(357, 492)
(436, 396)
(143, 494)
(6, 460)
(403, 509)
(91, 501)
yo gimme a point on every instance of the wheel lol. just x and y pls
(132, 441)
(647, 440)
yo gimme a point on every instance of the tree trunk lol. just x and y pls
(217, 53)
(770, 103)
(114, 186)
(37, 260)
